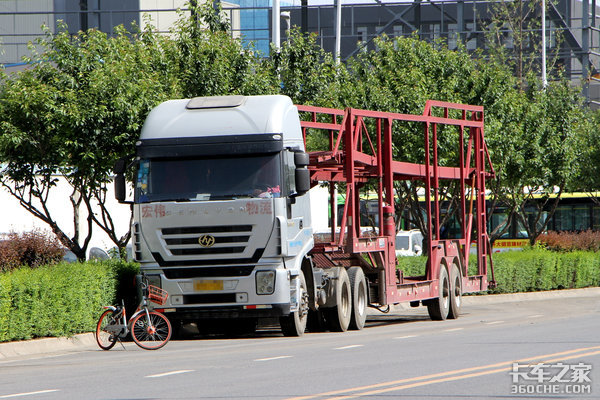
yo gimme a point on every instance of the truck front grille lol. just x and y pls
(229, 240)
(204, 272)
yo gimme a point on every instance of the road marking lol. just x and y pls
(494, 322)
(9, 396)
(449, 375)
(352, 346)
(272, 358)
(536, 316)
(453, 329)
(182, 371)
(405, 337)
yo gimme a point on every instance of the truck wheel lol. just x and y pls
(438, 308)
(295, 323)
(455, 292)
(338, 317)
(358, 284)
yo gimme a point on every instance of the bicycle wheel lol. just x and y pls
(106, 340)
(151, 335)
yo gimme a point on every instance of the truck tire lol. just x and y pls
(438, 308)
(295, 323)
(358, 284)
(455, 292)
(338, 317)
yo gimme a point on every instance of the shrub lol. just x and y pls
(570, 241)
(31, 249)
(532, 269)
(412, 266)
(539, 269)
(60, 300)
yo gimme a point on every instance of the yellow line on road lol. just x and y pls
(464, 373)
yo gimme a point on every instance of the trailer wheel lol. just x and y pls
(338, 317)
(295, 323)
(455, 292)
(438, 308)
(358, 284)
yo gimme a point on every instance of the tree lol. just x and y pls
(538, 159)
(400, 76)
(304, 71)
(513, 37)
(532, 134)
(77, 108)
(209, 62)
(544, 162)
(589, 172)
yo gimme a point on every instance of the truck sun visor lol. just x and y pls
(206, 146)
(215, 102)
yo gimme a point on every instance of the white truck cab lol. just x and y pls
(221, 219)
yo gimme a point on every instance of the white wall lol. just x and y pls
(319, 203)
(14, 218)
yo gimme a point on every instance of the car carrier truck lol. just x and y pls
(222, 221)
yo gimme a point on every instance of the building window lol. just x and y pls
(434, 31)
(550, 34)
(472, 42)
(398, 30)
(452, 36)
(361, 32)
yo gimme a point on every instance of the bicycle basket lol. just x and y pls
(157, 295)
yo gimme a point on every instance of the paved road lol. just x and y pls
(403, 355)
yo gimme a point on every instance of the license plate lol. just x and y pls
(208, 285)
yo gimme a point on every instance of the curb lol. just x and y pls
(476, 299)
(515, 297)
(47, 345)
(87, 341)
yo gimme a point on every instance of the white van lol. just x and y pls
(409, 243)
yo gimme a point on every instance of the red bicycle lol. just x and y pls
(150, 330)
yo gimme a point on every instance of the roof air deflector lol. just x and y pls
(215, 102)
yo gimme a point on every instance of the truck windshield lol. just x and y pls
(208, 178)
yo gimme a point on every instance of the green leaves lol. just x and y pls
(60, 300)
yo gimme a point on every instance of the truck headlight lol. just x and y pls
(265, 282)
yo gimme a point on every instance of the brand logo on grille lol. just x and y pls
(206, 240)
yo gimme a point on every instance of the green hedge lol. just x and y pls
(530, 270)
(534, 269)
(66, 299)
(60, 300)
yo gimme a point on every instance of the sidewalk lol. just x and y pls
(86, 341)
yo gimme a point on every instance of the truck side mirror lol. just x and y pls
(120, 188)
(120, 166)
(302, 181)
(301, 160)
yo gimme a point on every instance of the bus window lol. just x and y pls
(596, 225)
(581, 214)
(563, 218)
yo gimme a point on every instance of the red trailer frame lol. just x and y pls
(356, 156)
